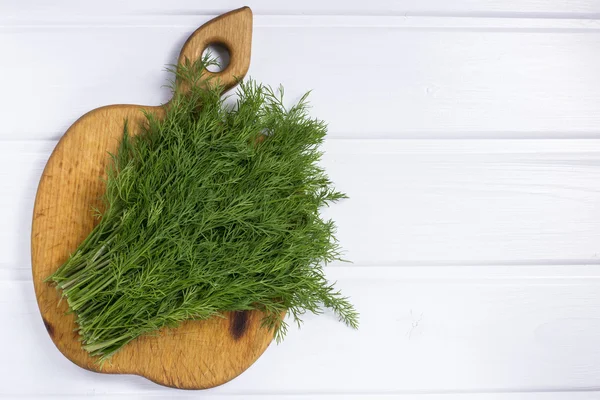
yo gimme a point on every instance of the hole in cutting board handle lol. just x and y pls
(220, 53)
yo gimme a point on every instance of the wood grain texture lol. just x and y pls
(232, 30)
(195, 355)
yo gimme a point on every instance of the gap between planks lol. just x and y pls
(481, 273)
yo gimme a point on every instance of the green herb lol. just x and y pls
(212, 208)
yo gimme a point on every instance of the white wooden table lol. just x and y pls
(467, 134)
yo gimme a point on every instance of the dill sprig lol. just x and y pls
(212, 208)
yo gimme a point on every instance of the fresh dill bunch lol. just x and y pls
(211, 208)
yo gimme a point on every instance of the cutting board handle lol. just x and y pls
(233, 31)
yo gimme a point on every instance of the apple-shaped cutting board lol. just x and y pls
(196, 355)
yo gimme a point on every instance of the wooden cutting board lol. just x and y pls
(198, 354)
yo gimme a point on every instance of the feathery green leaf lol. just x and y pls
(210, 209)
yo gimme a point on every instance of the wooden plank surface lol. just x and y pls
(442, 202)
(27, 8)
(425, 329)
(509, 78)
(467, 135)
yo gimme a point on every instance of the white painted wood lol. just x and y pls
(438, 396)
(583, 395)
(466, 134)
(501, 78)
(554, 8)
(425, 329)
(444, 202)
